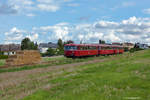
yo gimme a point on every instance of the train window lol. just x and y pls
(88, 48)
(70, 48)
(99, 48)
(94, 48)
(83, 48)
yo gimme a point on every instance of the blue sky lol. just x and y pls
(86, 20)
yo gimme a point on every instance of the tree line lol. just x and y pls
(27, 44)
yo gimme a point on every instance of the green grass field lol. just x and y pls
(53, 59)
(122, 77)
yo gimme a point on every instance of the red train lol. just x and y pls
(81, 50)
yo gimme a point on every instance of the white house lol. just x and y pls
(10, 49)
(142, 46)
(43, 47)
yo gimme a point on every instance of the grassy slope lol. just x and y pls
(127, 77)
(2, 62)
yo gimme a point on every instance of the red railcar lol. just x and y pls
(81, 50)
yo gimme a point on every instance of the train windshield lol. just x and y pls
(70, 48)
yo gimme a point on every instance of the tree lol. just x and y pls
(136, 45)
(60, 47)
(35, 46)
(126, 49)
(60, 44)
(1, 53)
(81, 42)
(101, 42)
(50, 52)
(27, 44)
(69, 42)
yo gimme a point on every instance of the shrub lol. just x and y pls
(132, 50)
(126, 49)
(3, 56)
(135, 49)
(1, 53)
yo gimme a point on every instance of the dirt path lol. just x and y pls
(10, 82)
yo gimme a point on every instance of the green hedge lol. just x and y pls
(3, 56)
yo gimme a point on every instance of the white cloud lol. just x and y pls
(62, 24)
(27, 7)
(14, 30)
(14, 35)
(47, 7)
(7, 9)
(124, 5)
(112, 37)
(73, 4)
(30, 15)
(27, 2)
(45, 1)
(128, 4)
(146, 11)
(33, 37)
(130, 30)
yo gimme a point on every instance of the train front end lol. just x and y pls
(69, 50)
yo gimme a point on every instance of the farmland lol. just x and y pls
(47, 62)
(2, 62)
(117, 77)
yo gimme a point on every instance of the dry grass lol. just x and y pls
(2, 62)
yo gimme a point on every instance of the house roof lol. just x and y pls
(48, 45)
(116, 43)
(10, 47)
(128, 44)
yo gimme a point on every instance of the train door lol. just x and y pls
(99, 50)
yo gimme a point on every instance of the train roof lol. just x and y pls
(102, 45)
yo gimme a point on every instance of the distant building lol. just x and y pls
(142, 46)
(128, 45)
(116, 43)
(43, 47)
(9, 49)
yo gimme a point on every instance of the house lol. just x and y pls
(43, 47)
(116, 43)
(9, 49)
(141, 46)
(128, 45)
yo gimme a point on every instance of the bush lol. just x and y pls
(126, 49)
(138, 49)
(3, 56)
(135, 49)
(1, 53)
(132, 50)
